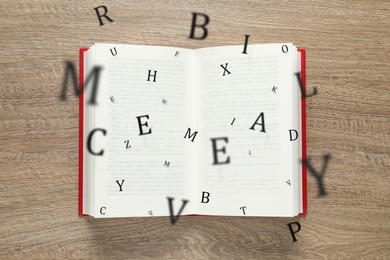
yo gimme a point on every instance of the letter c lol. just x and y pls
(90, 139)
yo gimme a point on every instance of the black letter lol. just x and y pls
(127, 144)
(105, 14)
(284, 49)
(292, 231)
(190, 135)
(205, 197)
(243, 209)
(113, 52)
(90, 139)
(120, 184)
(246, 43)
(101, 212)
(174, 219)
(192, 34)
(94, 73)
(167, 163)
(296, 134)
(154, 75)
(262, 123)
(319, 177)
(215, 150)
(303, 91)
(140, 125)
(225, 69)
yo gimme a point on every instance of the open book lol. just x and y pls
(219, 128)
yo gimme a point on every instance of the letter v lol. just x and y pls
(175, 218)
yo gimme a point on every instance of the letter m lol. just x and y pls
(94, 74)
(188, 133)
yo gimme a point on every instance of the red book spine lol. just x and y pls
(81, 129)
(303, 118)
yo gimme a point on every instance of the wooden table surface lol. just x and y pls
(347, 45)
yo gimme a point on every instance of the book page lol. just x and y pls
(247, 158)
(141, 105)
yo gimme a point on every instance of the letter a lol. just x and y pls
(262, 123)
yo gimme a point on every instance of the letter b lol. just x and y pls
(205, 197)
(203, 26)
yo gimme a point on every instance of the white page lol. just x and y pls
(148, 182)
(256, 181)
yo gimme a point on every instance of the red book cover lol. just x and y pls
(81, 130)
(303, 118)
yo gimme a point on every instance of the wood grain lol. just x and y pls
(347, 46)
